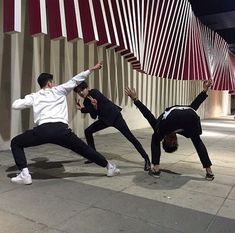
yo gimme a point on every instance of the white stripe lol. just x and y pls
(78, 19)
(180, 38)
(17, 15)
(127, 26)
(131, 27)
(150, 35)
(62, 18)
(113, 23)
(43, 16)
(93, 20)
(135, 31)
(186, 40)
(177, 11)
(105, 21)
(121, 23)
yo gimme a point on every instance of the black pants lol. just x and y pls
(201, 151)
(120, 125)
(56, 133)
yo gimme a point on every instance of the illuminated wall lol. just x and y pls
(23, 57)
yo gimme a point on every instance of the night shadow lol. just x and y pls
(39, 169)
(168, 180)
(27, 70)
(5, 89)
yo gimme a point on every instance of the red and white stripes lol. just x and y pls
(11, 16)
(160, 38)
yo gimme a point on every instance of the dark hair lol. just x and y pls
(43, 78)
(169, 149)
(80, 87)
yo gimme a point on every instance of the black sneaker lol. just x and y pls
(88, 161)
(147, 165)
(210, 176)
(154, 173)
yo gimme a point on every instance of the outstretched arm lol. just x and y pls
(207, 85)
(143, 109)
(65, 88)
(202, 96)
(26, 102)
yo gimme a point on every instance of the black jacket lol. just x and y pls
(186, 120)
(106, 111)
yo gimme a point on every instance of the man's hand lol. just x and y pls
(78, 105)
(93, 101)
(207, 84)
(97, 66)
(131, 93)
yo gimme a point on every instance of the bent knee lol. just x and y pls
(87, 131)
(13, 142)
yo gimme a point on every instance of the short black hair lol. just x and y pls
(43, 78)
(80, 87)
(169, 149)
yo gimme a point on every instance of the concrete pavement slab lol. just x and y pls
(68, 196)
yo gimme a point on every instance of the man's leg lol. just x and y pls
(74, 143)
(121, 125)
(27, 139)
(95, 127)
(203, 155)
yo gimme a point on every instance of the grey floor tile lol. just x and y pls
(96, 220)
(155, 212)
(12, 223)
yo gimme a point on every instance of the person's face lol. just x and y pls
(171, 139)
(83, 93)
(50, 84)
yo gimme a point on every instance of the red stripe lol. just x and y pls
(86, 21)
(103, 39)
(70, 18)
(8, 16)
(34, 17)
(54, 20)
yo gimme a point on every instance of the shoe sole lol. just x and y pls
(155, 176)
(210, 179)
(13, 182)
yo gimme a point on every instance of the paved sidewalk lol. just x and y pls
(71, 197)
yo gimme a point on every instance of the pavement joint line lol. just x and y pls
(21, 216)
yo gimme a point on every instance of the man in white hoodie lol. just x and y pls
(51, 119)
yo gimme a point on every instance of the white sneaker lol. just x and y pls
(113, 171)
(21, 179)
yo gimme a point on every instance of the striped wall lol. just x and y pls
(160, 38)
(38, 45)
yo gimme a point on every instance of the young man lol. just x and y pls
(176, 119)
(51, 117)
(109, 114)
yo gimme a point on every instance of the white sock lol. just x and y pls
(109, 165)
(25, 171)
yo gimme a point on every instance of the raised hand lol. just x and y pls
(207, 84)
(93, 101)
(97, 66)
(131, 93)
